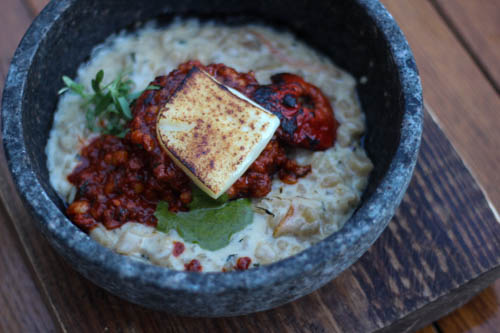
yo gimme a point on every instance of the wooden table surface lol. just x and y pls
(457, 47)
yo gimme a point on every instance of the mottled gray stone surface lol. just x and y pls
(359, 35)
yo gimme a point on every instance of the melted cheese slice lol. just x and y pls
(212, 132)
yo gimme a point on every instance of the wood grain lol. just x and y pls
(412, 275)
(477, 26)
(132, 318)
(480, 315)
(431, 39)
(463, 100)
(14, 20)
(21, 305)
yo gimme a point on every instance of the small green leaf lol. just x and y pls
(134, 96)
(95, 86)
(211, 226)
(62, 90)
(102, 104)
(202, 200)
(67, 81)
(107, 108)
(73, 86)
(125, 107)
(99, 76)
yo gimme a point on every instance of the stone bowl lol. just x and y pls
(359, 35)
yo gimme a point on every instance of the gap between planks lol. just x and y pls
(476, 38)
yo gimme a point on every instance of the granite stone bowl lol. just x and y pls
(359, 35)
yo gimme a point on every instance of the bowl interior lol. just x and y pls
(338, 29)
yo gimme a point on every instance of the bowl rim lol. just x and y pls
(65, 235)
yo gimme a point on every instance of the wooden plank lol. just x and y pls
(441, 248)
(477, 24)
(436, 54)
(14, 20)
(480, 315)
(463, 100)
(21, 306)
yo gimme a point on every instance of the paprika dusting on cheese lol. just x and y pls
(123, 179)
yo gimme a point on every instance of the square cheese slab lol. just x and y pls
(212, 132)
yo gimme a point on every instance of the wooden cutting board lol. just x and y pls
(441, 248)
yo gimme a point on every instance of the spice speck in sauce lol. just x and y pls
(193, 266)
(178, 249)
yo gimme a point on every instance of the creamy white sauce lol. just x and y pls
(322, 201)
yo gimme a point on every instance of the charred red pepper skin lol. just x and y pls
(306, 116)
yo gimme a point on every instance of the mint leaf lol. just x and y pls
(211, 228)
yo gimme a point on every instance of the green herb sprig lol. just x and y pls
(107, 108)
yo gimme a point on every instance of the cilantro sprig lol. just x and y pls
(209, 223)
(107, 108)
